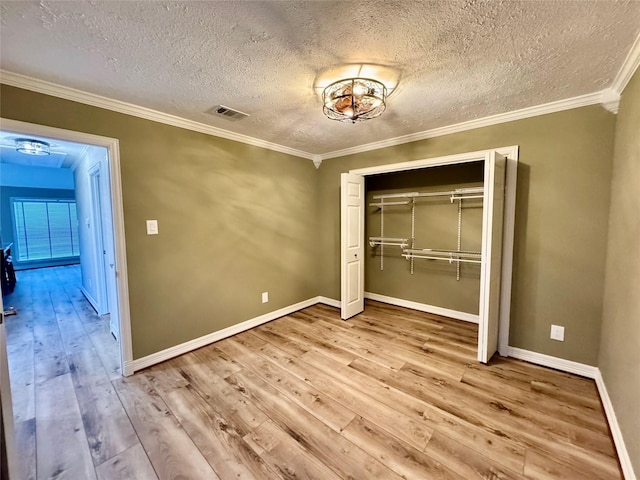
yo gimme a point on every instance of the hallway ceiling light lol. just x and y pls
(354, 100)
(32, 147)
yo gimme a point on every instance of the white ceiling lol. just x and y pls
(454, 61)
(62, 154)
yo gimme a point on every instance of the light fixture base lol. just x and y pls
(30, 146)
(354, 100)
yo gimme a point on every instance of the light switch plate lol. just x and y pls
(152, 227)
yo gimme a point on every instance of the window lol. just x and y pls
(45, 229)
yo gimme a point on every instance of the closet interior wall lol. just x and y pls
(433, 282)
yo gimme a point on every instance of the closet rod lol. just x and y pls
(457, 191)
(434, 257)
(465, 197)
(397, 242)
(449, 255)
(442, 251)
(386, 204)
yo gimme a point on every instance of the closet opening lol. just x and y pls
(433, 235)
(423, 230)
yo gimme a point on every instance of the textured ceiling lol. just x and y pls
(453, 60)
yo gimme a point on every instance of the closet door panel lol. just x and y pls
(352, 244)
(490, 274)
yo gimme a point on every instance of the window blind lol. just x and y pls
(45, 229)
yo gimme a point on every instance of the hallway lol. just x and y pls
(62, 359)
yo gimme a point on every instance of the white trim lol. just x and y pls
(477, 156)
(616, 433)
(568, 366)
(60, 91)
(79, 158)
(120, 248)
(113, 148)
(553, 107)
(171, 352)
(593, 373)
(329, 301)
(89, 298)
(611, 100)
(9, 437)
(423, 307)
(629, 67)
(508, 241)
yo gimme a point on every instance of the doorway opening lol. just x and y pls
(91, 165)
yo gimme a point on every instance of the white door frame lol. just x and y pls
(490, 269)
(511, 154)
(95, 190)
(115, 187)
(13, 463)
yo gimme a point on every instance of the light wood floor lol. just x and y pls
(390, 394)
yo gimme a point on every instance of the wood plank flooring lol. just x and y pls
(390, 394)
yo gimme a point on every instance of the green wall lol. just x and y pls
(237, 220)
(436, 226)
(234, 221)
(619, 359)
(562, 208)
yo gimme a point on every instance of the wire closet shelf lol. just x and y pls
(407, 245)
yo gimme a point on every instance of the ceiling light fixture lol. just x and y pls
(32, 147)
(354, 100)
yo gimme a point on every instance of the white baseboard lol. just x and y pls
(329, 301)
(616, 433)
(89, 298)
(133, 366)
(553, 362)
(592, 373)
(423, 307)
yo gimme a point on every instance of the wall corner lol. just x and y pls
(610, 100)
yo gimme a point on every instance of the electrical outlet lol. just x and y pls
(265, 297)
(557, 333)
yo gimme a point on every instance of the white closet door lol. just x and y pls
(490, 274)
(352, 244)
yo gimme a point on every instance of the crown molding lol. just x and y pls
(609, 98)
(629, 67)
(60, 91)
(558, 106)
(79, 158)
